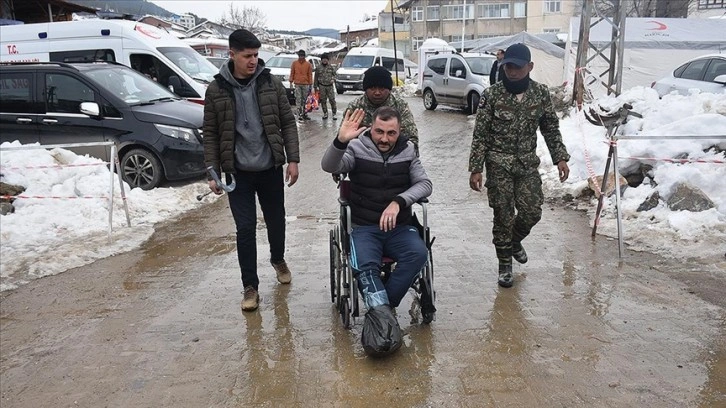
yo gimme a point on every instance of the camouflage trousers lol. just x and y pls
(301, 95)
(515, 193)
(327, 93)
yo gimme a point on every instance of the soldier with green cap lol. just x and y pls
(324, 83)
(505, 142)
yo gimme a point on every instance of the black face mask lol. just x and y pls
(516, 87)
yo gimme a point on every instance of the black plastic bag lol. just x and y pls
(381, 333)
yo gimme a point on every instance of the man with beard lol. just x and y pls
(324, 81)
(505, 141)
(377, 85)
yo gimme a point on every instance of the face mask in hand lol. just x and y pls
(516, 87)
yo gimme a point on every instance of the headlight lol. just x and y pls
(180, 133)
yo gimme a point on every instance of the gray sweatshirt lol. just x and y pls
(252, 151)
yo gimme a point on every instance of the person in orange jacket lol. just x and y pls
(301, 77)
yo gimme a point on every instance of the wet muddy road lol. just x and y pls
(162, 326)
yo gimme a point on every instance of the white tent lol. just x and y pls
(653, 47)
(428, 48)
(549, 59)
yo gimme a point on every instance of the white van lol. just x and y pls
(145, 48)
(359, 59)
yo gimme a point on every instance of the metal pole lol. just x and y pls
(583, 44)
(112, 166)
(463, 26)
(617, 197)
(621, 47)
(395, 53)
(50, 13)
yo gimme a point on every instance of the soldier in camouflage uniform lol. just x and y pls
(377, 85)
(324, 81)
(505, 141)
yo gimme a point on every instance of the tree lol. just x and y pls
(647, 8)
(250, 18)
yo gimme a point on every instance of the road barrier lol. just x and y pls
(113, 165)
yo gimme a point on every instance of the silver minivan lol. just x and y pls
(456, 79)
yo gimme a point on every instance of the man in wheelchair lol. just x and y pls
(386, 179)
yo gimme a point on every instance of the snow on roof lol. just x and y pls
(365, 25)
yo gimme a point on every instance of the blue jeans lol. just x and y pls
(403, 244)
(268, 185)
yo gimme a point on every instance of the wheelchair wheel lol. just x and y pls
(345, 312)
(333, 264)
(427, 292)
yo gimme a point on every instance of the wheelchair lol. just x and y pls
(344, 292)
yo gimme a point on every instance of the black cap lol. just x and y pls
(241, 39)
(301, 53)
(377, 77)
(517, 54)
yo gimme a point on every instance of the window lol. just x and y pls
(438, 65)
(694, 70)
(711, 4)
(64, 94)
(715, 68)
(520, 10)
(417, 14)
(389, 63)
(83, 56)
(416, 42)
(500, 10)
(16, 93)
(457, 65)
(456, 12)
(552, 6)
(432, 13)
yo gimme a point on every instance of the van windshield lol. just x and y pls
(279, 62)
(480, 65)
(130, 86)
(357, 61)
(191, 62)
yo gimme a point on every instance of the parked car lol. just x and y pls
(359, 59)
(158, 135)
(706, 73)
(279, 66)
(456, 79)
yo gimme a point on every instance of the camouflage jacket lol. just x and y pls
(506, 129)
(324, 75)
(408, 126)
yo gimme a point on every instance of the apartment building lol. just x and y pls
(457, 20)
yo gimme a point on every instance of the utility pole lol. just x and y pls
(616, 47)
(395, 54)
(463, 26)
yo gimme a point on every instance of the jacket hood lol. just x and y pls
(226, 72)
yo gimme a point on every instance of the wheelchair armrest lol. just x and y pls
(343, 201)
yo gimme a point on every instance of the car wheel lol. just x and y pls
(429, 100)
(473, 102)
(140, 168)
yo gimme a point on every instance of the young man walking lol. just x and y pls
(250, 133)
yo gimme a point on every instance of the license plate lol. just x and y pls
(347, 86)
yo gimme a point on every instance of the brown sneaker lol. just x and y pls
(284, 275)
(251, 299)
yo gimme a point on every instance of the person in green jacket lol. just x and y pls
(250, 132)
(505, 140)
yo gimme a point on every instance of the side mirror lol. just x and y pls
(91, 109)
(174, 83)
(721, 79)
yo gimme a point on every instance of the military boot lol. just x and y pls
(504, 255)
(518, 252)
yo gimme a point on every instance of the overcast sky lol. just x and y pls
(296, 15)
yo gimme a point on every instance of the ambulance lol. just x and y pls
(150, 50)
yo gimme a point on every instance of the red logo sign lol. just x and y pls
(147, 31)
(659, 26)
